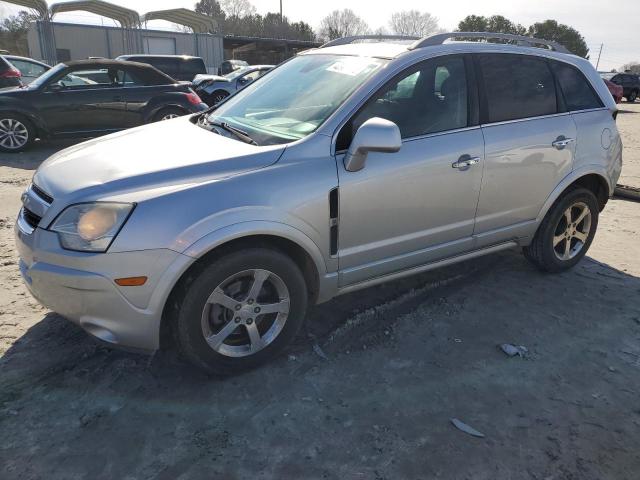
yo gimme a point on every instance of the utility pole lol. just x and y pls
(599, 53)
(280, 11)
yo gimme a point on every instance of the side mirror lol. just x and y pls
(374, 135)
(54, 87)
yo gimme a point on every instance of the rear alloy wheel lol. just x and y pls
(565, 234)
(217, 97)
(16, 134)
(168, 114)
(241, 310)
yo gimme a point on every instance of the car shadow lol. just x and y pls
(424, 345)
(31, 158)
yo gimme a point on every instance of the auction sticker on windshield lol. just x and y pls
(352, 66)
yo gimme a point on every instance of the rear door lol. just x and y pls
(529, 143)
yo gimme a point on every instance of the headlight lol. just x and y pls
(90, 227)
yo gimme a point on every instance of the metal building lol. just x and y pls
(53, 42)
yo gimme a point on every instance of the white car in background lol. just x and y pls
(214, 88)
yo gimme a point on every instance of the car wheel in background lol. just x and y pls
(565, 234)
(218, 96)
(240, 311)
(16, 133)
(632, 96)
(168, 114)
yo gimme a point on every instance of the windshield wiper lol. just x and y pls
(239, 134)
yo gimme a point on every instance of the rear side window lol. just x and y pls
(578, 94)
(193, 66)
(516, 86)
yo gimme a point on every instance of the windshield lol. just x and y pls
(295, 98)
(236, 73)
(46, 76)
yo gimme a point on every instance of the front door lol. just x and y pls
(418, 205)
(83, 101)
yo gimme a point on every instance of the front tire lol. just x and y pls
(16, 133)
(241, 310)
(566, 233)
(218, 96)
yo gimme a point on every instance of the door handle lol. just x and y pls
(561, 142)
(465, 161)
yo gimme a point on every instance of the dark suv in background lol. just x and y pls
(180, 67)
(88, 98)
(629, 82)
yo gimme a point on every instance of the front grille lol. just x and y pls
(41, 193)
(31, 218)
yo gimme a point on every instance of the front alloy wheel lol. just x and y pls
(245, 313)
(14, 135)
(240, 310)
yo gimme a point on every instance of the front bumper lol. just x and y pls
(81, 287)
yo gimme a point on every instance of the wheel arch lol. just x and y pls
(306, 261)
(594, 179)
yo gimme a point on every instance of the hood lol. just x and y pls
(200, 78)
(163, 156)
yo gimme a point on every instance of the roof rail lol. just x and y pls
(355, 38)
(521, 40)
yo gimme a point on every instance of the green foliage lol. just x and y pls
(547, 30)
(17, 23)
(563, 34)
(255, 25)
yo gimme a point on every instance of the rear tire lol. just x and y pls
(16, 133)
(566, 233)
(240, 311)
(168, 114)
(632, 96)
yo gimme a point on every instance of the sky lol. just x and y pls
(615, 24)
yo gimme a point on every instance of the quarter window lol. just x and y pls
(578, 94)
(516, 86)
(429, 98)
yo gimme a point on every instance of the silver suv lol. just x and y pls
(347, 166)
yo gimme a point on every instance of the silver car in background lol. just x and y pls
(347, 166)
(213, 88)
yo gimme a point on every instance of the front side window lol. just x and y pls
(297, 97)
(577, 91)
(87, 78)
(429, 98)
(516, 86)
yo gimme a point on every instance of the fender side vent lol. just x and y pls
(333, 221)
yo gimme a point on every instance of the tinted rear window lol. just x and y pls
(578, 94)
(516, 86)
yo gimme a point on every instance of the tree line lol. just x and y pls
(239, 17)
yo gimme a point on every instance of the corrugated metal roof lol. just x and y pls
(124, 16)
(39, 6)
(197, 22)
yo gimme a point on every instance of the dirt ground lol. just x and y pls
(367, 392)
